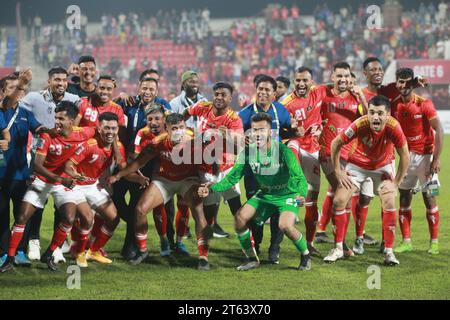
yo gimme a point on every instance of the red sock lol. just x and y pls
(347, 222)
(339, 221)
(103, 238)
(361, 216)
(327, 211)
(311, 217)
(355, 200)
(433, 222)
(389, 225)
(182, 220)
(16, 236)
(83, 238)
(98, 223)
(60, 235)
(160, 218)
(141, 240)
(404, 219)
(202, 244)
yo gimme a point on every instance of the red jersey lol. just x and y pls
(92, 160)
(143, 139)
(370, 149)
(168, 155)
(89, 113)
(57, 150)
(337, 113)
(414, 117)
(390, 91)
(207, 120)
(307, 112)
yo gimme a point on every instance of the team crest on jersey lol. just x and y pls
(79, 150)
(368, 141)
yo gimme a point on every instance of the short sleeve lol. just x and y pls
(42, 144)
(194, 110)
(32, 122)
(121, 116)
(89, 132)
(137, 142)
(27, 102)
(398, 137)
(81, 153)
(3, 124)
(236, 125)
(350, 133)
(123, 154)
(429, 110)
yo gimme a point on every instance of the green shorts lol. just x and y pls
(267, 205)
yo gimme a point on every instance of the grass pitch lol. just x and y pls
(419, 275)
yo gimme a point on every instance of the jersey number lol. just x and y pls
(56, 149)
(91, 115)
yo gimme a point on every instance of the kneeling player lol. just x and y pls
(281, 185)
(52, 152)
(171, 179)
(88, 164)
(374, 136)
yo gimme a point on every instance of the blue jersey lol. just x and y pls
(281, 120)
(137, 119)
(16, 156)
(3, 123)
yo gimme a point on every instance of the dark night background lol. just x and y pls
(54, 11)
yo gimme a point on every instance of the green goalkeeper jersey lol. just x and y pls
(277, 171)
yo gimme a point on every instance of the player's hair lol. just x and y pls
(154, 107)
(266, 78)
(304, 69)
(369, 60)
(262, 116)
(9, 77)
(108, 116)
(149, 79)
(107, 77)
(404, 73)
(174, 118)
(341, 65)
(380, 101)
(57, 70)
(285, 80)
(223, 85)
(69, 107)
(146, 72)
(256, 77)
(86, 59)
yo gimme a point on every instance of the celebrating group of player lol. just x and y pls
(198, 150)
